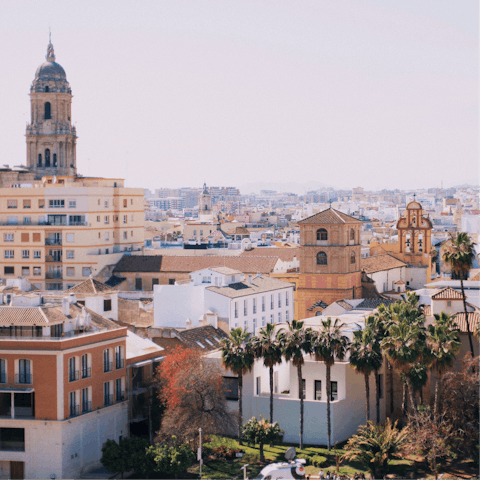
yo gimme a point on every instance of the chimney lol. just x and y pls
(250, 279)
(66, 306)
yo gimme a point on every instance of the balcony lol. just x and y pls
(86, 372)
(73, 375)
(53, 241)
(107, 367)
(108, 400)
(53, 258)
(120, 396)
(53, 275)
(86, 407)
(23, 378)
(119, 363)
(74, 411)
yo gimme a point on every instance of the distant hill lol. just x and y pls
(287, 187)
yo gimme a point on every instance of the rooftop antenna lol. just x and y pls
(49, 35)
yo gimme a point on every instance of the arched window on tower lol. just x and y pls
(352, 234)
(48, 111)
(321, 258)
(206, 207)
(47, 89)
(39, 159)
(55, 160)
(353, 259)
(420, 243)
(47, 157)
(322, 234)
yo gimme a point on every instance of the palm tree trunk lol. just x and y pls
(367, 396)
(329, 392)
(240, 407)
(271, 393)
(466, 317)
(377, 396)
(390, 374)
(437, 396)
(300, 394)
(404, 402)
(411, 393)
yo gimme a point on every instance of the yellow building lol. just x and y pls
(57, 227)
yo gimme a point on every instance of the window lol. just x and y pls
(131, 233)
(73, 373)
(230, 387)
(245, 307)
(131, 201)
(318, 390)
(236, 309)
(107, 361)
(124, 235)
(24, 371)
(106, 203)
(76, 220)
(70, 271)
(37, 254)
(8, 237)
(171, 281)
(321, 258)
(25, 253)
(258, 385)
(73, 408)
(39, 159)
(352, 234)
(263, 303)
(25, 271)
(9, 254)
(449, 303)
(3, 371)
(119, 393)
(279, 317)
(254, 324)
(286, 299)
(56, 203)
(106, 220)
(70, 254)
(322, 235)
(12, 439)
(333, 391)
(154, 281)
(11, 204)
(272, 320)
(263, 321)
(107, 396)
(86, 404)
(131, 218)
(301, 393)
(352, 258)
(279, 300)
(86, 271)
(36, 237)
(107, 237)
(125, 203)
(37, 270)
(119, 357)
(27, 220)
(41, 203)
(27, 204)
(107, 305)
(48, 111)
(254, 305)
(287, 315)
(85, 364)
(138, 284)
(380, 385)
(24, 237)
(98, 218)
(8, 270)
(271, 302)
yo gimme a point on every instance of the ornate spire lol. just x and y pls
(50, 53)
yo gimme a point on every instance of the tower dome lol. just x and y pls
(50, 74)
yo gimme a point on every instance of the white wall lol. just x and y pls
(95, 303)
(385, 279)
(416, 277)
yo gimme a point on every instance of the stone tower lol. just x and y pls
(330, 252)
(414, 233)
(51, 137)
(205, 206)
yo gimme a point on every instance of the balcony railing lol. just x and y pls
(120, 395)
(107, 367)
(86, 407)
(119, 363)
(86, 372)
(108, 400)
(53, 258)
(25, 378)
(74, 410)
(53, 275)
(53, 241)
(73, 375)
(3, 377)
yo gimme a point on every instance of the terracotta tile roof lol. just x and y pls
(447, 294)
(399, 282)
(238, 231)
(329, 216)
(90, 286)
(206, 337)
(258, 285)
(475, 278)
(372, 303)
(284, 254)
(168, 344)
(139, 263)
(379, 263)
(22, 316)
(344, 304)
(473, 319)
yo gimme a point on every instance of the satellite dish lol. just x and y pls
(290, 454)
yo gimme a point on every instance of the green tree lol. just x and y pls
(171, 459)
(267, 347)
(327, 344)
(237, 356)
(261, 432)
(295, 342)
(115, 456)
(442, 345)
(374, 446)
(365, 358)
(459, 253)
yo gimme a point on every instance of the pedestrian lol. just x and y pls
(321, 474)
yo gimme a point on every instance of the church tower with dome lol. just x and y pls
(51, 137)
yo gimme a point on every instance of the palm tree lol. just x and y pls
(327, 344)
(238, 357)
(365, 358)
(294, 343)
(267, 347)
(443, 343)
(459, 254)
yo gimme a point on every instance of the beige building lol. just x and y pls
(58, 228)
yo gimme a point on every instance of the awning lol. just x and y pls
(141, 364)
(16, 390)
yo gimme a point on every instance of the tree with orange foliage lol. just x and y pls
(191, 388)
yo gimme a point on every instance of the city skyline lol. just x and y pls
(181, 93)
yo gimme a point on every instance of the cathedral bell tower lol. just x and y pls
(51, 137)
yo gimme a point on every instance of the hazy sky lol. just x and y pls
(379, 94)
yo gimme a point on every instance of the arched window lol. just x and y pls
(39, 159)
(321, 258)
(47, 89)
(352, 258)
(47, 157)
(352, 234)
(322, 234)
(48, 111)
(54, 159)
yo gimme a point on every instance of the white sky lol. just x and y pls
(379, 94)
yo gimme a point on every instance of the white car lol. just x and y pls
(290, 470)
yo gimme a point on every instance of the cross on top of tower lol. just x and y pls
(50, 53)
